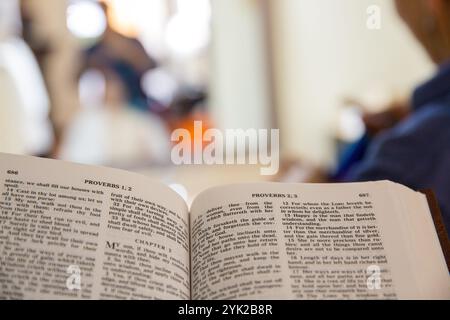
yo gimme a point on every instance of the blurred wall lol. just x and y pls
(240, 95)
(323, 53)
(12, 139)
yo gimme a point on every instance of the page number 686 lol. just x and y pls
(364, 195)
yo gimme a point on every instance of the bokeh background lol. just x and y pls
(106, 82)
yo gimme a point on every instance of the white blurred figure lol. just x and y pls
(24, 103)
(108, 132)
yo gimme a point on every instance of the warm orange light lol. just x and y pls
(120, 22)
(188, 124)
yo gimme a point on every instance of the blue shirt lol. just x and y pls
(416, 152)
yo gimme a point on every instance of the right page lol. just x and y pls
(371, 240)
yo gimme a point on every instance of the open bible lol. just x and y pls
(83, 232)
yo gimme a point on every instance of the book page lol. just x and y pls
(424, 249)
(74, 231)
(299, 241)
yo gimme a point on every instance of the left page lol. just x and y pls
(73, 231)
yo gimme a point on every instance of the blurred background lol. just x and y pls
(106, 82)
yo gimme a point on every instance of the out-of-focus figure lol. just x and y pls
(45, 32)
(409, 143)
(416, 151)
(124, 56)
(24, 111)
(108, 132)
(33, 34)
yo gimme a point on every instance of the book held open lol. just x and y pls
(128, 237)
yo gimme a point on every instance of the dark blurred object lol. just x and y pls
(126, 57)
(188, 105)
(188, 100)
(350, 156)
(375, 123)
(380, 121)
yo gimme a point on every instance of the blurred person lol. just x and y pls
(32, 35)
(416, 151)
(410, 142)
(375, 123)
(124, 56)
(44, 31)
(24, 123)
(113, 134)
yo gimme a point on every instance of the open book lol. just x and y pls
(74, 231)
